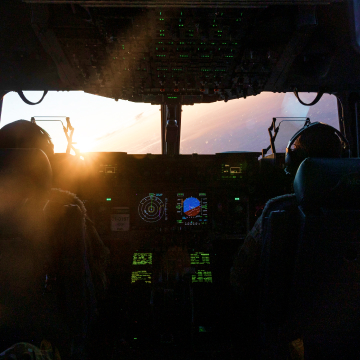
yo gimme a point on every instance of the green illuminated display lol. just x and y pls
(141, 276)
(205, 329)
(232, 172)
(202, 276)
(235, 170)
(142, 259)
(200, 258)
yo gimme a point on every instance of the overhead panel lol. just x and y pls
(177, 52)
(160, 55)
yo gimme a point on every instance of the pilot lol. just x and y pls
(314, 140)
(24, 134)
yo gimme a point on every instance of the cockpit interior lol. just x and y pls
(173, 221)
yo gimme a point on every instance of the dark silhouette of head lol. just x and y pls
(317, 140)
(32, 167)
(25, 134)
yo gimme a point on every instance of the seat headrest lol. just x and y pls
(324, 182)
(29, 168)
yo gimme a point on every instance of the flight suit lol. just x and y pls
(244, 275)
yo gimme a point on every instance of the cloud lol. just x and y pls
(106, 135)
(291, 106)
(139, 116)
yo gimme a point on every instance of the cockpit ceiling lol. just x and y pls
(184, 3)
(180, 54)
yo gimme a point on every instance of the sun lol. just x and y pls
(84, 145)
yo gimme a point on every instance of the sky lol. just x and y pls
(102, 124)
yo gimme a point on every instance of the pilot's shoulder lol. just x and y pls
(279, 203)
(64, 197)
(64, 204)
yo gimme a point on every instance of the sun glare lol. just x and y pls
(84, 145)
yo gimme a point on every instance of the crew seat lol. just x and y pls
(44, 275)
(310, 265)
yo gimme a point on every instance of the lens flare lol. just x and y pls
(84, 145)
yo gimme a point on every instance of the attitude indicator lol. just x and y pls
(151, 208)
(192, 208)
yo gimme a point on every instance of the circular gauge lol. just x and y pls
(151, 209)
(192, 206)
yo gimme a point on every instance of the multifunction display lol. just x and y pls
(200, 258)
(153, 208)
(142, 262)
(141, 276)
(142, 258)
(191, 209)
(233, 170)
(182, 209)
(202, 276)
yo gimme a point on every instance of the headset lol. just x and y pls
(23, 133)
(294, 157)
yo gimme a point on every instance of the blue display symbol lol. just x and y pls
(191, 206)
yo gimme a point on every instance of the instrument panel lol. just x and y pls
(156, 192)
(172, 225)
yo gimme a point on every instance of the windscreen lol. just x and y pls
(242, 124)
(102, 124)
